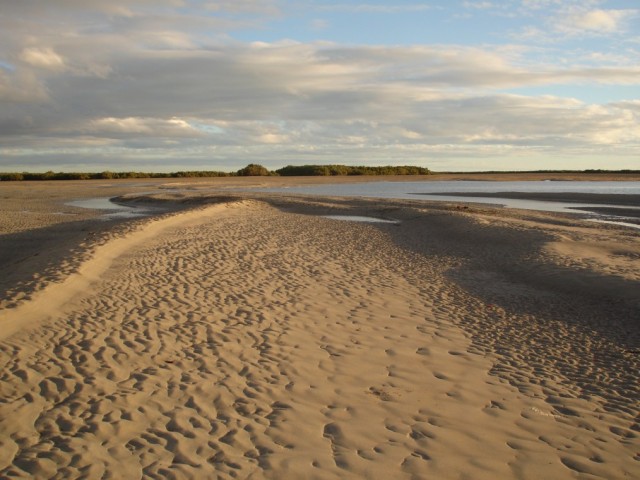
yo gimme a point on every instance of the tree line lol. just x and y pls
(18, 176)
(255, 170)
(251, 170)
(329, 170)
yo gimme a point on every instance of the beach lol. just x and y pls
(246, 335)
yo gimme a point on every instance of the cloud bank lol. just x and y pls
(164, 86)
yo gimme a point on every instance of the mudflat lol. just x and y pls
(246, 335)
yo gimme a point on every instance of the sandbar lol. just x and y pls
(247, 335)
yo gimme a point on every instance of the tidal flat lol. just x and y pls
(241, 334)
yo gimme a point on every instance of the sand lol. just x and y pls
(604, 204)
(249, 337)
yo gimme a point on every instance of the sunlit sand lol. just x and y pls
(248, 336)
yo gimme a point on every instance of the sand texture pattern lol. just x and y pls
(251, 339)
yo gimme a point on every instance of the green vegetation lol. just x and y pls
(326, 170)
(12, 176)
(253, 170)
(199, 173)
(74, 176)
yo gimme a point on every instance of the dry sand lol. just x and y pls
(253, 338)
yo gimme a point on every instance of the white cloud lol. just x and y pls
(133, 126)
(254, 7)
(138, 83)
(541, 4)
(296, 96)
(20, 88)
(57, 9)
(553, 21)
(479, 5)
(579, 21)
(43, 57)
(273, 138)
(319, 24)
(375, 8)
(631, 105)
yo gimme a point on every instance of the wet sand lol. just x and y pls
(563, 197)
(592, 199)
(247, 336)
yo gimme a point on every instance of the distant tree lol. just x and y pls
(200, 173)
(253, 170)
(297, 170)
(321, 170)
(106, 175)
(11, 177)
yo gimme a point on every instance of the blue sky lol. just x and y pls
(165, 85)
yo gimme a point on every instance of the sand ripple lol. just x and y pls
(245, 342)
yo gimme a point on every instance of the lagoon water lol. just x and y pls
(358, 218)
(115, 210)
(438, 191)
(434, 190)
(408, 190)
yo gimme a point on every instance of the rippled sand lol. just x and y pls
(254, 338)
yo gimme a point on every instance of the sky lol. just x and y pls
(169, 85)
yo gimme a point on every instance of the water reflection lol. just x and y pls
(356, 218)
(114, 210)
(462, 191)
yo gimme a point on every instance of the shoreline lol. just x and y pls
(621, 207)
(630, 200)
(434, 176)
(249, 335)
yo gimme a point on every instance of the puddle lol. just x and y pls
(104, 203)
(612, 222)
(356, 218)
(489, 192)
(115, 210)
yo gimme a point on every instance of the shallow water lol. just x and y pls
(102, 203)
(409, 189)
(432, 191)
(115, 210)
(357, 218)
